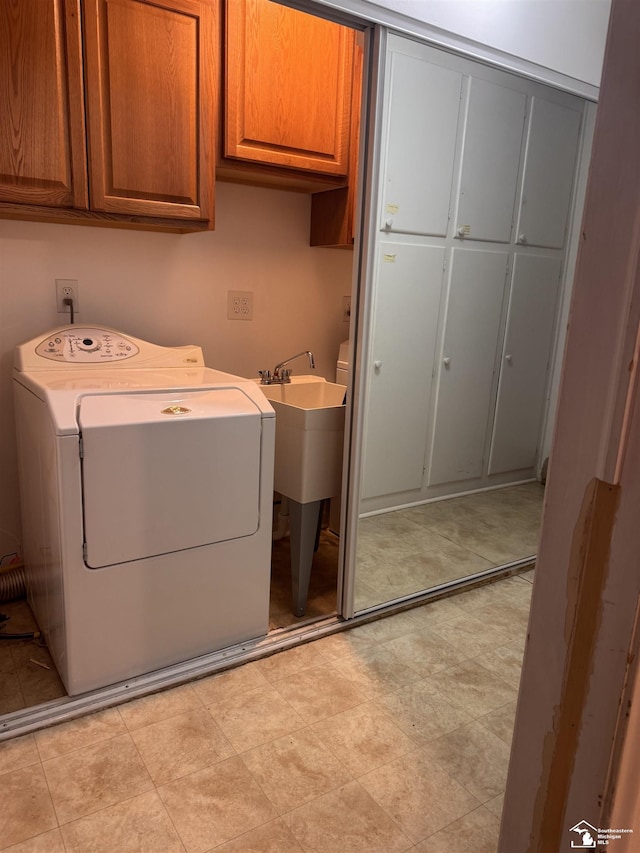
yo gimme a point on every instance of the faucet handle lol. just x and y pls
(285, 375)
(265, 377)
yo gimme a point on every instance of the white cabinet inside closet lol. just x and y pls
(477, 166)
(466, 370)
(493, 128)
(399, 383)
(525, 360)
(550, 165)
(418, 167)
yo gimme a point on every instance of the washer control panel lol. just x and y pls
(86, 345)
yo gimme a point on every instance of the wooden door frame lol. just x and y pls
(571, 735)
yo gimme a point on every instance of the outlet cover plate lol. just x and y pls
(239, 305)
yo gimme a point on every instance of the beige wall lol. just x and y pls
(172, 289)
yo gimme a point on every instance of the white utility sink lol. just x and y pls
(309, 437)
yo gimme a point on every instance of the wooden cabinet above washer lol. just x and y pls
(288, 82)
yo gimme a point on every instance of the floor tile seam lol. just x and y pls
(82, 746)
(467, 710)
(306, 721)
(448, 734)
(388, 718)
(170, 818)
(63, 826)
(157, 785)
(53, 806)
(503, 683)
(237, 751)
(16, 769)
(334, 787)
(445, 769)
(427, 742)
(149, 781)
(209, 706)
(76, 749)
(449, 825)
(367, 793)
(102, 808)
(409, 664)
(298, 671)
(173, 716)
(404, 831)
(495, 734)
(246, 832)
(508, 646)
(463, 650)
(326, 665)
(465, 547)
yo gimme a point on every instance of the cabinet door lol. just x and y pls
(550, 164)
(287, 88)
(525, 359)
(42, 137)
(421, 130)
(150, 80)
(466, 381)
(493, 132)
(407, 304)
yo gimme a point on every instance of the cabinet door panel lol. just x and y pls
(422, 125)
(42, 137)
(466, 380)
(407, 300)
(287, 87)
(525, 358)
(150, 97)
(490, 161)
(550, 163)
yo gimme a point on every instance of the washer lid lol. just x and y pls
(164, 472)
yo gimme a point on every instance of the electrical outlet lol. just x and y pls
(67, 288)
(239, 305)
(346, 309)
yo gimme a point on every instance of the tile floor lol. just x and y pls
(406, 551)
(27, 673)
(388, 737)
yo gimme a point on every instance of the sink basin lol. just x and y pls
(309, 437)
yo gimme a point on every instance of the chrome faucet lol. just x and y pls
(280, 373)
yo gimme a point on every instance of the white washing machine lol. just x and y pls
(342, 365)
(146, 486)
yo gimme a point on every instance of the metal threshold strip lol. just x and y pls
(70, 708)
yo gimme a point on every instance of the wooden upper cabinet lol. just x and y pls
(287, 88)
(150, 79)
(42, 139)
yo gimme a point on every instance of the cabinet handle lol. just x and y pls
(508, 358)
(377, 365)
(446, 361)
(462, 232)
(388, 223)
(522, 238)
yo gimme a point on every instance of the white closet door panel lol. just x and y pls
(550, 162)
(491, 158)
(407, 302)
(466, 380)
(525, 358)
(421, 131)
